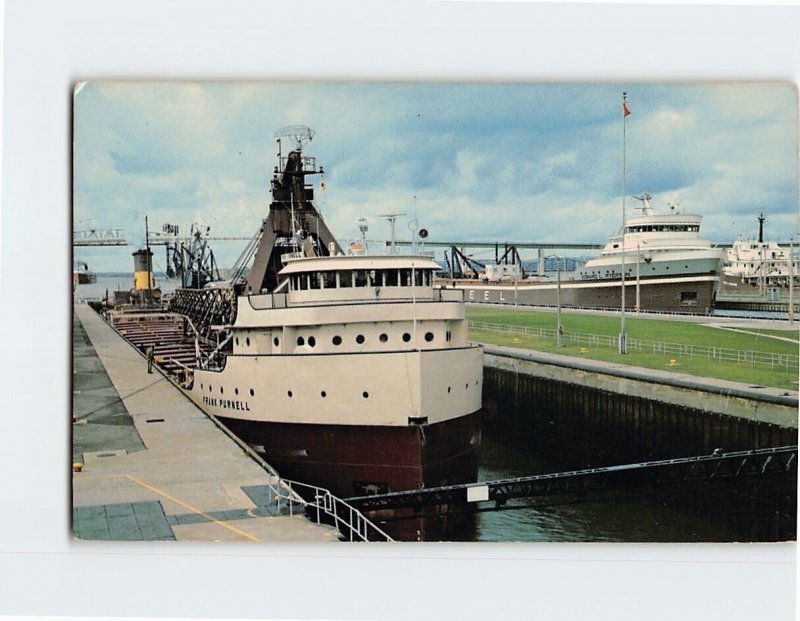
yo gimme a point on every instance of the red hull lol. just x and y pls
(354, 460)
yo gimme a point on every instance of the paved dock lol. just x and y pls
(155, 467)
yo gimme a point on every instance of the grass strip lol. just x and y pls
(677, 332)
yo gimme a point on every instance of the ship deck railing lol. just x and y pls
(269, 301)
(679, 350)
(321, 504)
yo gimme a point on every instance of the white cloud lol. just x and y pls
(488, 162)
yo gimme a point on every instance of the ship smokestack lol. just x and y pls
(143, 270)
(761, 219)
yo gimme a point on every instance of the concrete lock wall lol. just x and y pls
(635, 414)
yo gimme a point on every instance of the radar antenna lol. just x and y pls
(298, 134)
(645, 198)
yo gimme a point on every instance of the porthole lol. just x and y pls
(448, 389)
(276, 341)
(466, 386)
(365, 394)
(323, 394)
(300, 341)
(252, 393)
(201, 387)
(383, 338)
(237, 341)
(210, 388)
(312, 341)
(360, 339)
(247, 341)
(337, 340)
(289, 392)
(406, 337)
(236, 391)
(221, 390)
(429, 336)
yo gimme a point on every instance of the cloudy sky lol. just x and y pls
(486, 162)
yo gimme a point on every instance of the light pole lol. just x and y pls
(559, 326)
(638, 262)
(791, 280)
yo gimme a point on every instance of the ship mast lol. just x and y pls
(292, 216)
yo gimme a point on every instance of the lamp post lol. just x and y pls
(559, 326)
(638, 262)
(791, 280)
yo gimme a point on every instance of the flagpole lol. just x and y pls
(623, 339)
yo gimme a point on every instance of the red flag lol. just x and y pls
(625, 111)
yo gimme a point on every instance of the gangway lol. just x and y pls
(719, 465)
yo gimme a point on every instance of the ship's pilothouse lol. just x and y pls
(661, 244)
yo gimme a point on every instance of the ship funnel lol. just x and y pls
(143, 270)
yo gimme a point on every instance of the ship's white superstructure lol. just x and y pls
(754, 262)
(656, 245)
(356, 340)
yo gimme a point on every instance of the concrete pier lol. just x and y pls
(155, 467)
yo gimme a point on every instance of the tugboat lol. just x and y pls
(349, 372)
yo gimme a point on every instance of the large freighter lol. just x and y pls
(352, 373)
(668, 268)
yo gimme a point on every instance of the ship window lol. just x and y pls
(448, 335)
(303, 282)
(383, 338)
(328, 280)
(429, 336)
(337, 340)
(313, 280)
(323, 394)
(391, 278)
(301, 341)
(345, 279)
(236, 391)
(221, 390)
(406, 337)
(237, 341)
(247, 341)
(448, 389)
(361, 278)
(365, 394)
(252, 393)
(360, 339)
(276, 342)
(405, 278)
(312, 341)
(289, 393)
(210, 388)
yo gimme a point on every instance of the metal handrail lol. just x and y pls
(344, 515)
(718, 354)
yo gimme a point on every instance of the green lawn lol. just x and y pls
(661, 330)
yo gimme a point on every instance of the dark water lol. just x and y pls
(631, 516)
